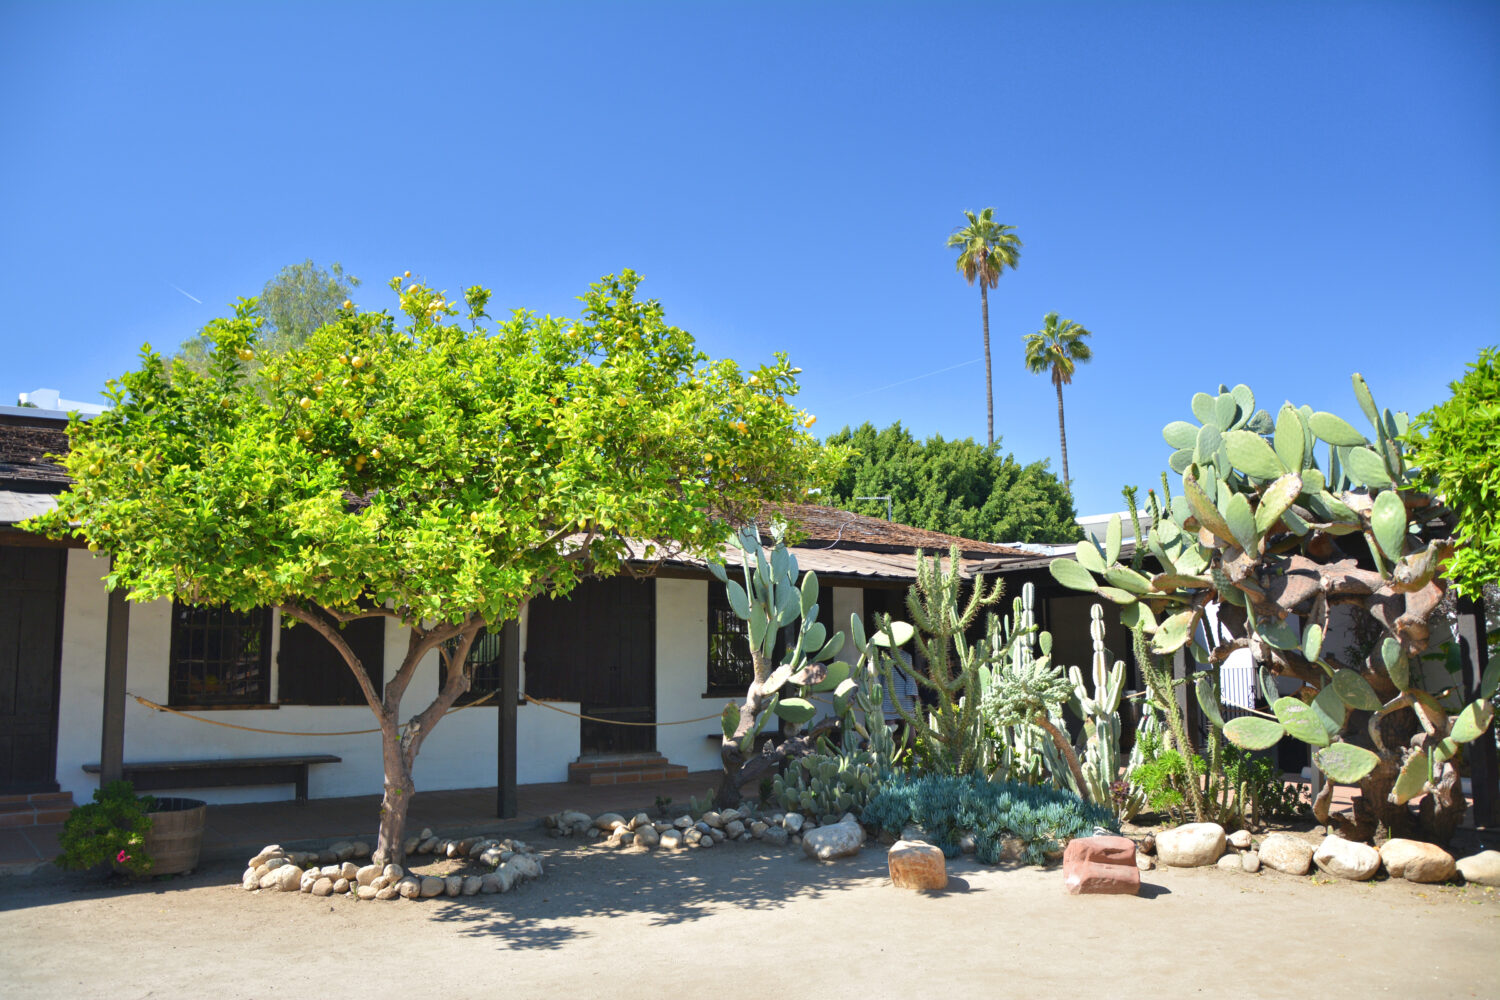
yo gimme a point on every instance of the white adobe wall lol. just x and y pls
(682, 674)
(460, 753)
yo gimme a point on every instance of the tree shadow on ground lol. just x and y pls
(584, 881)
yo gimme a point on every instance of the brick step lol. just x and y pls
(38, 809)
(622, 769)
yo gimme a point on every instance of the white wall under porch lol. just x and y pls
(460, 753)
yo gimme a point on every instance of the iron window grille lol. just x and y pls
(486, 661)
(730, 668)
(219, 656)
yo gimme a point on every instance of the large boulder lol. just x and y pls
(916, 865)
(1191, 845)
(1347, 858)
(1286, 853)
(1416, 861)
(838, 840)
(1482, 868)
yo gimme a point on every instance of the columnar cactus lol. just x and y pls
(1100, 712)
(1273, 537)
(951, 737)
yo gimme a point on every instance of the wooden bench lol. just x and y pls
(159, 775)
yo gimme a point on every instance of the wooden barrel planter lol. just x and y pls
(176, 835)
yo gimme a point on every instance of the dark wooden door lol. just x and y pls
(31, 609)
(597, 647)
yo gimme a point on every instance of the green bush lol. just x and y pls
(112, 828)
(947, 806)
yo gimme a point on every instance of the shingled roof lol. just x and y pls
(25, 443)
(831, 527)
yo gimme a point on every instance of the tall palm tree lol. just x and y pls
(986, 248)
(1058, 348)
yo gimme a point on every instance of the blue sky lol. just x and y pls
(1271, 193)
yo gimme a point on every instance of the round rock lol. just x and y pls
(1416, 861)
(1191, 845)
(1286, 853)
(1347, 859)
(1482, 868)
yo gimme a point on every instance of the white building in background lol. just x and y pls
(50, 399)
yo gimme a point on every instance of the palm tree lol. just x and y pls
(986, 248)
(1058, 348)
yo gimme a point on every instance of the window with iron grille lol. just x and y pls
(219, 656)
(730, 669)
(486, 661)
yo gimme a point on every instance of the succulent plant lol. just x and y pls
(1271, 538)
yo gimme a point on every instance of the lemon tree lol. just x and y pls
(433, 466)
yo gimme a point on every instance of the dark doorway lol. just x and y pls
(597, 647)
(31, 611)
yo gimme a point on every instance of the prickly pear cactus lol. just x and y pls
(827, 783)
(1292, 549)
(771, 598)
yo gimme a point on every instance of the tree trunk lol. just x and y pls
(399, 789)
(989, 392)
(1063, 434)
(399, 748)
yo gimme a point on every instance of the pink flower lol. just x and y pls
(122, 857)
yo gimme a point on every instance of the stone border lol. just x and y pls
(333, 871)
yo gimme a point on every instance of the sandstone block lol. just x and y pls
(1100, 850)
(915, 865)
(1092, 878)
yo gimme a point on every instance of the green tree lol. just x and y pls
(298, 300)
(1454, 447)
(1058, 349)
(985, 249)
(959, 487)
(436, 473)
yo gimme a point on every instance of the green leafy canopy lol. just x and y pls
(958, 487)
(1453, 444)
(437, 466)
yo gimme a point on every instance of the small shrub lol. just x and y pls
(947, 806)
(112, 828)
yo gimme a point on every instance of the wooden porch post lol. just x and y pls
(1484, 776)
(112, 731)
(510, 693)
(1187, 702)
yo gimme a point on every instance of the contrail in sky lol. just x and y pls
(193, 297)
(914, 378)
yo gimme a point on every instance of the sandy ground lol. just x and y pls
(743, 920)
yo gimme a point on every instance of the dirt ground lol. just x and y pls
(744, 920)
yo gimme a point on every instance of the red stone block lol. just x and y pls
(1090, 878)
(1100, 850)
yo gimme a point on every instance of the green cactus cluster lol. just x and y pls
(1272, 536)
(951, 739)
(827, 783)
(1100, 712)
(770, 599)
